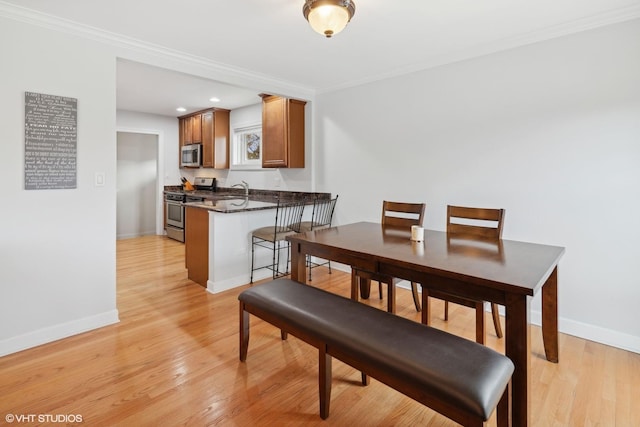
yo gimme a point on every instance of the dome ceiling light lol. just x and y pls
(328, 17)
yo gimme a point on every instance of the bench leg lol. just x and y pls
(504, 408)
(244, 332)
(365, 378)
(324, 381)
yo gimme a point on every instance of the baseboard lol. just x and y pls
(234, 282)
(593, 333)
(137, 234)
(56, 332)
(566, 326)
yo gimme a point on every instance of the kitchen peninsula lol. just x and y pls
(218, 234)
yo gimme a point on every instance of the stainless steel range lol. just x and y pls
(174, 202)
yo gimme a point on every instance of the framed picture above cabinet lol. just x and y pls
(247, 147)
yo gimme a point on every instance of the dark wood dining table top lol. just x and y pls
(513, 266)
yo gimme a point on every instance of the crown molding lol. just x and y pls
(40, 19)
(32, 17)
(579, 25)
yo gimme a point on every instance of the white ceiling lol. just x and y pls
(270, 38)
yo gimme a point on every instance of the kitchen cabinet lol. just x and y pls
(215, 139)
(190, 129)
(197, 244)
(282, 132)
(211, 129)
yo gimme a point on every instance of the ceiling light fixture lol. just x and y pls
(328, 17)
(214, 99)
(181, 109)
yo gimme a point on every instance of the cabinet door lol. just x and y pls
(197, 244)
(208, 148)
(295, 133)
(196, 129)
(282, 132)
(274, 132)
(181, 125)
(186, 130)
(215, 139)
(221, 139)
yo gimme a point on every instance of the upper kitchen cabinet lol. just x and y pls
(215, 139)
(211, 129)
(190, 129)
(282, 132)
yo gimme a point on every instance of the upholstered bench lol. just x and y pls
(458, 378)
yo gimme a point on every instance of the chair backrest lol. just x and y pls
(289, 216)
(400, 214)
(475, 221)
(322, 213)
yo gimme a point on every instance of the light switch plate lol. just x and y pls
(99, 179)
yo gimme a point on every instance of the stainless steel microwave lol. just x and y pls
(191, 155)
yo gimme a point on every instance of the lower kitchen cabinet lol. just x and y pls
(197, 244)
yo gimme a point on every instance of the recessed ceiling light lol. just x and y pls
(181, 109)
(214, 99)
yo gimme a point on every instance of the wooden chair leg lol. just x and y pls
(426, 307)
(391, 297)
(416, 297)
(380, 289)
(324, 382)
(496, 319)
(481, 327)
(355, 292)
(446, 311)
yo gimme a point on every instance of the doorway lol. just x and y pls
(136, 184)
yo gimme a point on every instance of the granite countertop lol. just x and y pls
(229, 200)
(226, 205)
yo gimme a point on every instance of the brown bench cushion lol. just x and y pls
(467, 375)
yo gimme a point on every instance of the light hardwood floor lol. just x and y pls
(173, 360)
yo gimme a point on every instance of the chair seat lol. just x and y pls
(272, 234)
(309, 225)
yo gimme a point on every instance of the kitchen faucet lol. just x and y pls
(244, 185)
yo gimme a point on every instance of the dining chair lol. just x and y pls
(394, 215)
(287, 222)
(321, 217)
(482, 226)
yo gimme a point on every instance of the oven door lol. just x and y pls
(175, 220)
(175, 214)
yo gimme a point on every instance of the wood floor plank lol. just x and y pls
(173, 360)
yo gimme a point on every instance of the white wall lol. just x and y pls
(550, 132)
(136, 184)
(58, 246)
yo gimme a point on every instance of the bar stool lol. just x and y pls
(321, 217)
(287, 222)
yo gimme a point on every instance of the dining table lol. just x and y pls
(505, 272)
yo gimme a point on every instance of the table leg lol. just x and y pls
(518, 349)
(298, 264)
(550, 316)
